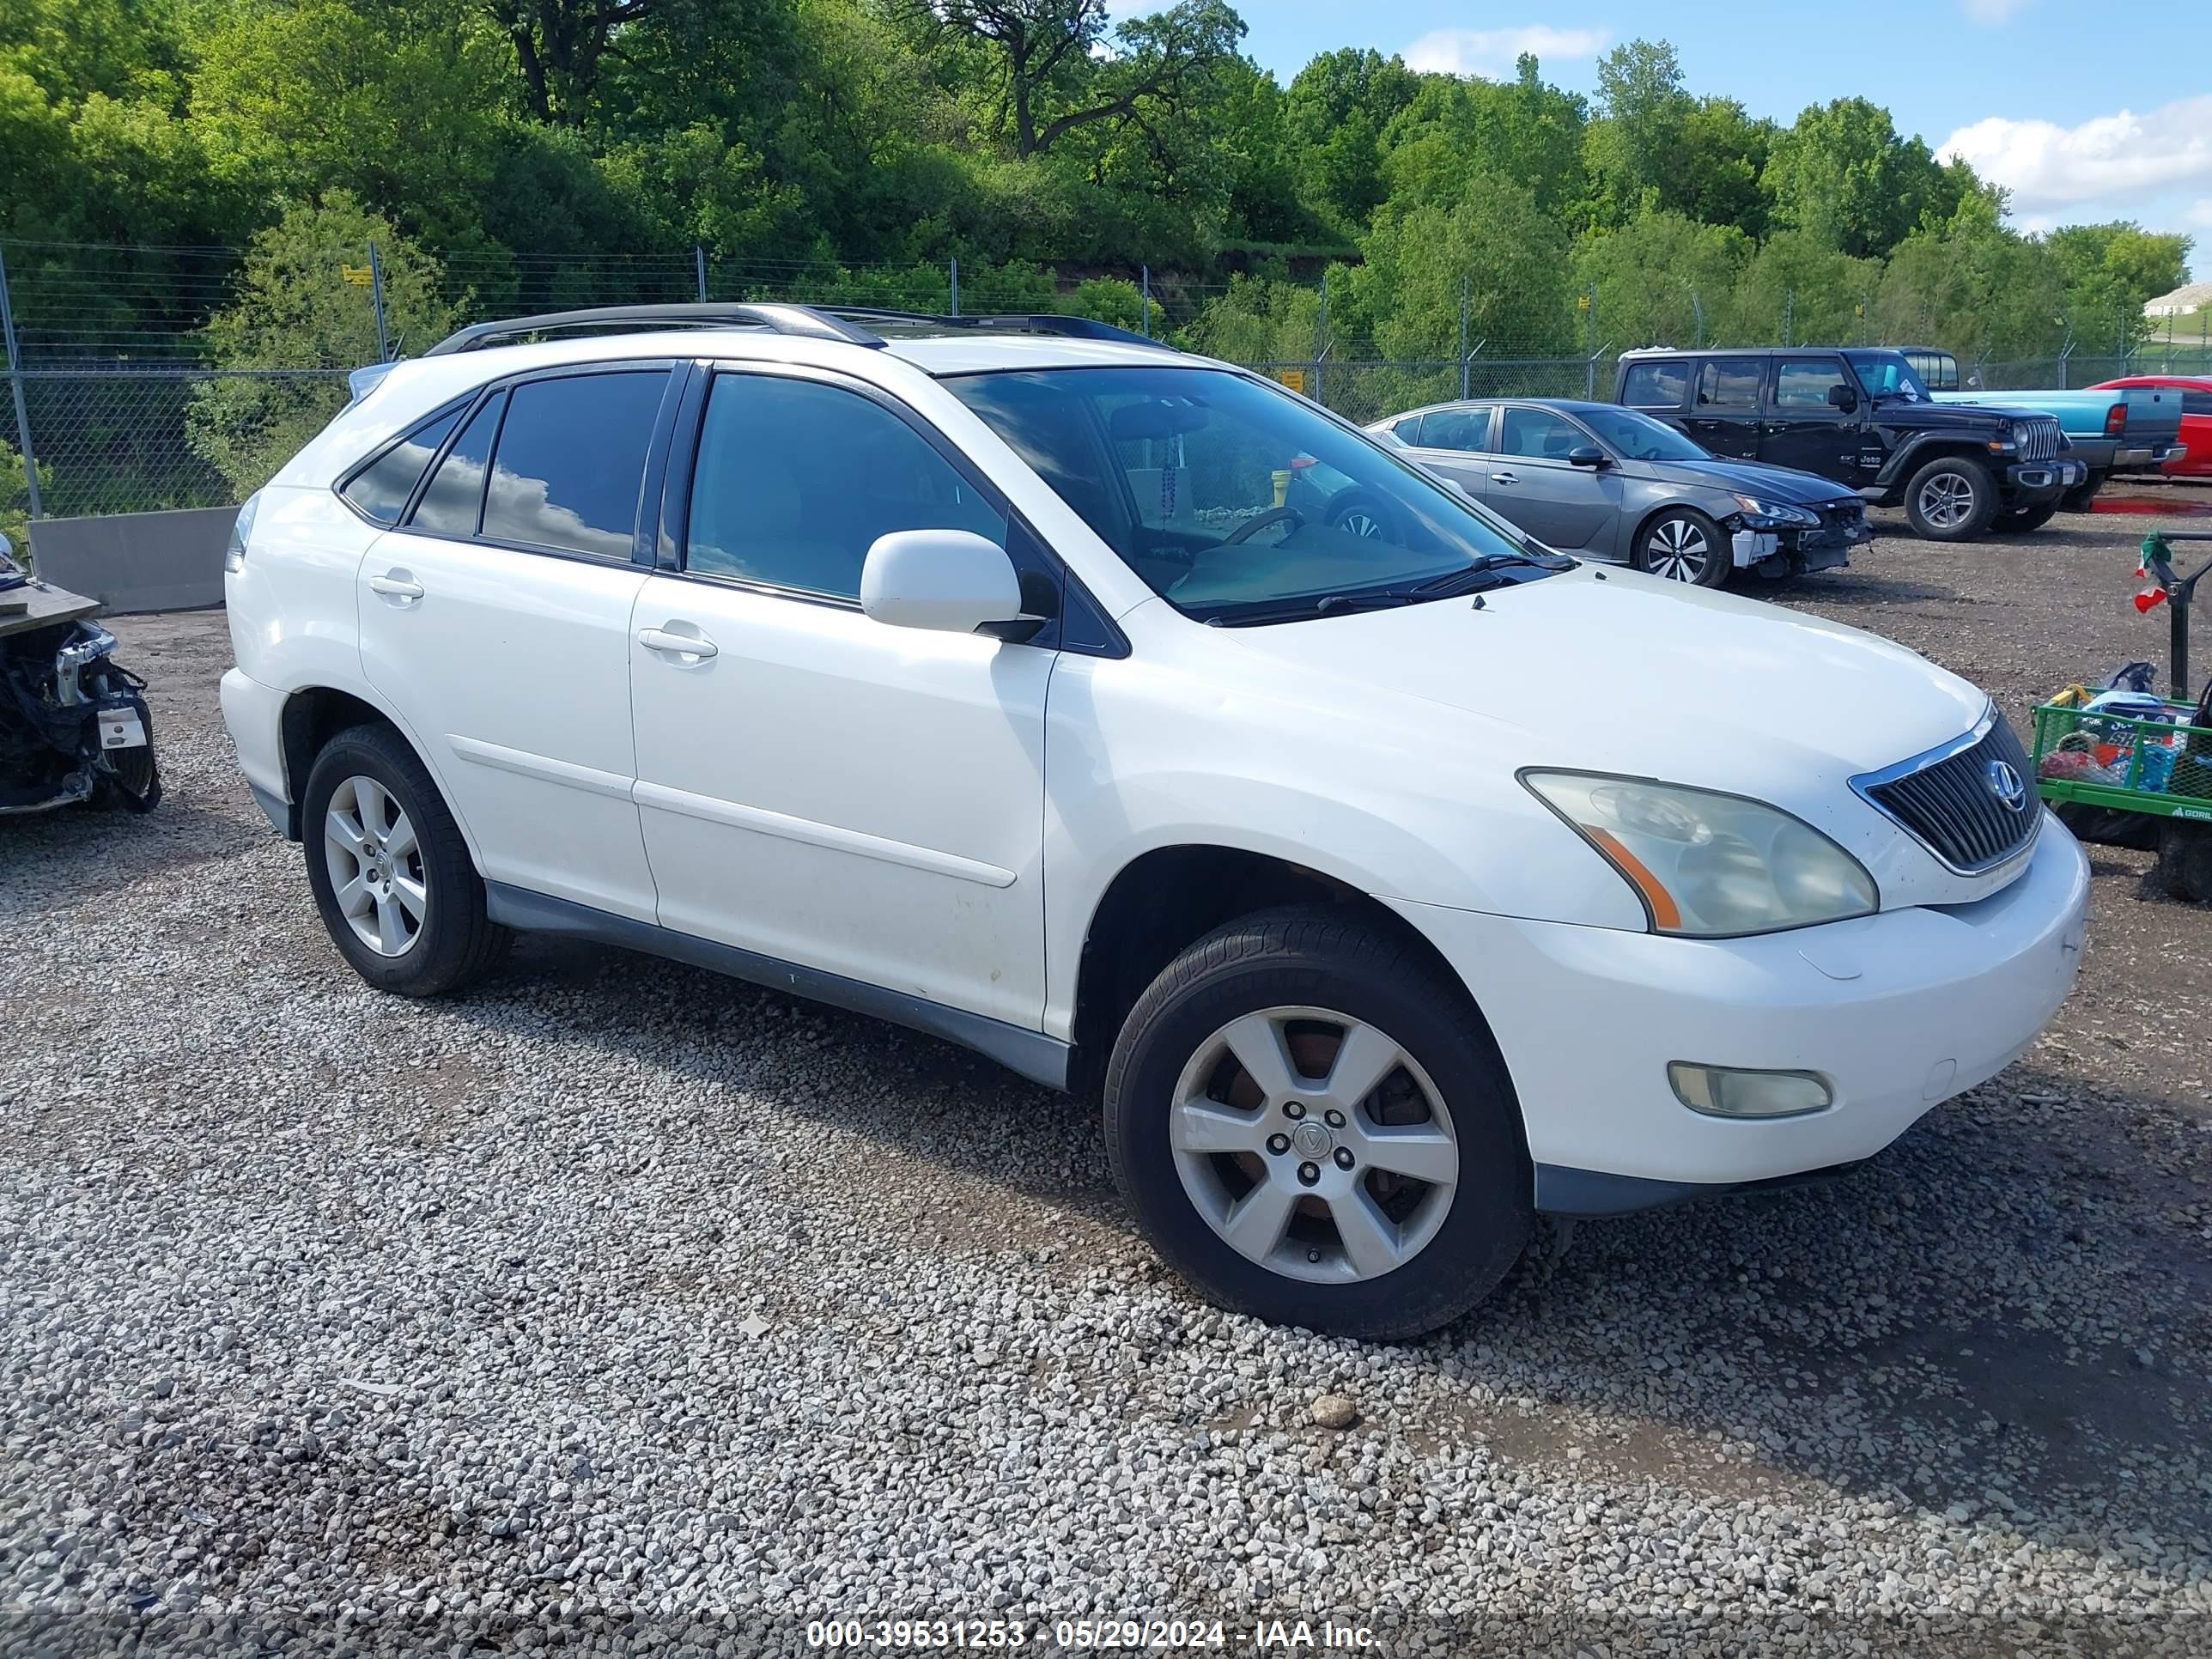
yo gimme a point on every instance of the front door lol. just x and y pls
(816, 786)
(1724, 412)
(1803, 429)
(498, 623)
(1534, 484)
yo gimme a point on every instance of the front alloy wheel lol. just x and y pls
(1314, 1144)
(1313, 1126)
(1685, 546)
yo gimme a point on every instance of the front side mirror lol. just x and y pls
(951, 581)
(1842, 397)
(1586, 455)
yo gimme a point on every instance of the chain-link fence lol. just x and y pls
(115, 386)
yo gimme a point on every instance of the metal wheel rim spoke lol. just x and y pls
(375, 860)
(1240, 1162)
(1945, 499)
(1679, 549)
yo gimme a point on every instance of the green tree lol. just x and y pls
(1843, 175)
(1335, 111)
(15, 499)
(1634, 144)
(1662, 279)
(2110, 271)
(294, 308)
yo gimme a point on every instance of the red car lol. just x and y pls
(2196, 419)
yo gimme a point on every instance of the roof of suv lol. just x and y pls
(1752, 351)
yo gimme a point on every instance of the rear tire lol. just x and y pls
(391, 875)
(1952, 499)
(1681, 545)
(2017, 520)
(1404, 1198)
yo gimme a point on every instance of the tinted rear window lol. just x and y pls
(382, 488)
(1729, 383)
(571, 461)
(1654, 385)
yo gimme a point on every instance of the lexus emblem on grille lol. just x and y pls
(2004, 783)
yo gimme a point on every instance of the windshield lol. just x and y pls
(1227, 497)
(1639, 437)
(1887, 374)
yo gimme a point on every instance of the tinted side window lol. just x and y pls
(1654, 385)
(1729, 383)
(454, 500)
(571, 459)
(2197, 402)
(796, 480)
(1456, 428)
(381, 488)
(1803, 382)
(1409, 429)
(1538, 432)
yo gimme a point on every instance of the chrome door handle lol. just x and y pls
(1503, 477)
(696, 646)
(397, 585)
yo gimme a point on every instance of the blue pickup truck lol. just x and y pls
(2108, 432)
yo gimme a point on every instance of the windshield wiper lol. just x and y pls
(1485, 572)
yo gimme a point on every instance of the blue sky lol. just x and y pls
(2086, 112)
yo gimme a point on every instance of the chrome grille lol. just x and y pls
(1947, 800)
(2039, 440)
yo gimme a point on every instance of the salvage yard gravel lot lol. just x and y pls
(620, 1303)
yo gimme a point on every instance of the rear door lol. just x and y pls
(497, 619)
(1455, 443)
(1533, 483)
(1723, 413)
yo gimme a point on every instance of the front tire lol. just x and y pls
(1952, 499)
(1313, 1129)
(391, 875)
(2018, 520)
(1683, 545)
(2081, 497)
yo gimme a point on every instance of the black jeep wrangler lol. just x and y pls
(1862, 415)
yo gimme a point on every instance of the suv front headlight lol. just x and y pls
(1706, 864)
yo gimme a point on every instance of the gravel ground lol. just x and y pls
(622, 1304)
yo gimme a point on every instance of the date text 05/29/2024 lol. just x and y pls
(1088, 1635)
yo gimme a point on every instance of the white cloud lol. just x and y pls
(1992, 13)
(2199, 215)
(1492, 51)
(2048, 167)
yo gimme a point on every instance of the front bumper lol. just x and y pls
(1796, 549)
(1897, 1011)
(2031, 483)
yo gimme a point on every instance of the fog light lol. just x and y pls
(1722, 1091)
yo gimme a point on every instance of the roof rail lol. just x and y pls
(1031, 322)
(805, 320)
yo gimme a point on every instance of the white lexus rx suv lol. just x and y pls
(1387, 879)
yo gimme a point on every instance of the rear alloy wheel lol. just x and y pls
(1952, 499)
(1357, 514)
(1313, 1128)
(392, 875)
(1683, 545)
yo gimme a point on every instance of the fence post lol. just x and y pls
(1465, 291)
(1144, 298)
(953, 265)
(1789, 314)
(376, 303)
(2064, 352)
(699, 270)
(15, 387)
(1321, 339)
(1697, 310)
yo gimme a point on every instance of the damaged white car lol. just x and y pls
(73, 725)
